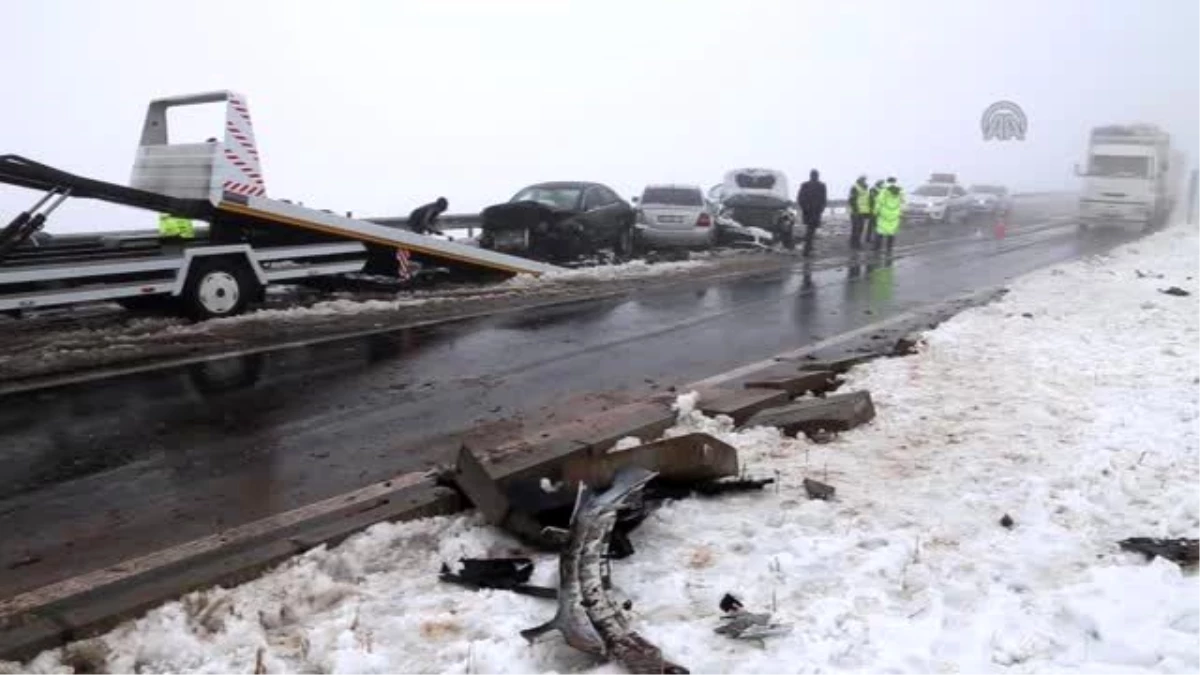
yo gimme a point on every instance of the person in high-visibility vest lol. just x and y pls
(889, 206)
(859, 204)
(172, 227)
(872, 195)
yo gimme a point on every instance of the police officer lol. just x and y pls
(870, 234)
(889, 205)
(860, 211)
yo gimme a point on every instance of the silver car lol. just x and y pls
(675, 216)
(991, 200)
(937, 202)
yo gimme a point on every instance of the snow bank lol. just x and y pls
(633, 269)
(327, 308)
(1070, 405)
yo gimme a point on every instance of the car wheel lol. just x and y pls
(217, 288)
(626, 243)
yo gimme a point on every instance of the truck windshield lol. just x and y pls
(1119, 166)
(672, 196)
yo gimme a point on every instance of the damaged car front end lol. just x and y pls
(560, 222)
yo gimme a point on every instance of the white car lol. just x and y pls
(937, 202)
(675, 216)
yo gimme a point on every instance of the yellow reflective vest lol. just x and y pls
(862, 199)
(888, 206)
(170, 226)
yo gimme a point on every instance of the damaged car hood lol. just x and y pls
(524, 214)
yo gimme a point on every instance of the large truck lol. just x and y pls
(246, 241)
(1132, 177)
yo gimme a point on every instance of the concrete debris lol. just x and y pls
(1181, 551)
(739, 404)
(690, 458)
(818, 490)
(839, 366)
(1007, 522)
(796, 382)
(907, 345)
(837, 412)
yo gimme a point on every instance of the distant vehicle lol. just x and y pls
(675, 215)
(759, 198)
(992, 200)
(937, 202)
(1132, 176)
(560, 221)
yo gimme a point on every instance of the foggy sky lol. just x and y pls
(376, 107)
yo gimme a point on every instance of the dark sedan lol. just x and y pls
(559, 222)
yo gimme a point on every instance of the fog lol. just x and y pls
(377, 106)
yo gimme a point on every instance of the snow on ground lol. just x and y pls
(1070, 405)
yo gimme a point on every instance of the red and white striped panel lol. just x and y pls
(244, 189)
(241, 152)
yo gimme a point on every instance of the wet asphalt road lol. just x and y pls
(96, 473)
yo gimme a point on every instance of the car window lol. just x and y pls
(671, 196)
(748, 181)
(560, 198)
(610, 197)
(958, 192)
(595, 198)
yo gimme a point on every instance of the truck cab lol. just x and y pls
(1127, 179)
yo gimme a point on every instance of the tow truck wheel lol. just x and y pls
(217, 288)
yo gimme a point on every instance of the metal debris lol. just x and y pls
(1181, 551)
(588, 618)
(738, 624)
(510, 574)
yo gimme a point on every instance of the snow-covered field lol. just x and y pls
(1070, 405)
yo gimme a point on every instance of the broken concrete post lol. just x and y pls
(796, 383)
(839, 366)
(837, 412)
(739, 404)
(687, 458)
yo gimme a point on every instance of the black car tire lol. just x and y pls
(626, 243)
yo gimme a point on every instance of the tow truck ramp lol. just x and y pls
(250, 240)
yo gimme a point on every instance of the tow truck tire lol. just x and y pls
(217, 288)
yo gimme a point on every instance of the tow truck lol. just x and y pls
(250, 240)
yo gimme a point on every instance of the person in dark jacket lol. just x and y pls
(423, 219)
(812, 200)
